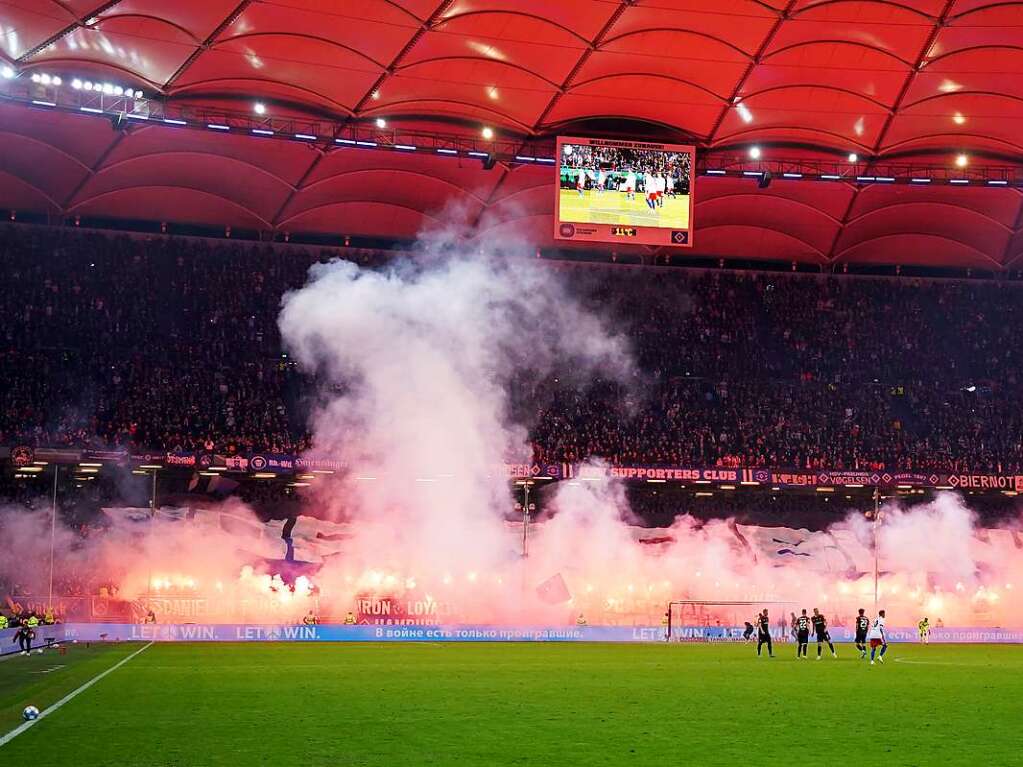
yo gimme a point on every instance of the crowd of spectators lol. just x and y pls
(172, 344)
(755, 369)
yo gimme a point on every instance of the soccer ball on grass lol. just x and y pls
(30, 713)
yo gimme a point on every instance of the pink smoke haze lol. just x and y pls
(415, 364)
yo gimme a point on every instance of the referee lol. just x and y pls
(764, 633)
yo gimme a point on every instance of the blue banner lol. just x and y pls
(247, 632)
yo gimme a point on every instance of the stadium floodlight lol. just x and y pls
(406, 147)
(352, 142)
(56, 80)
(864, 179)
(108, 89)
(40, 103)
(962, 161)
(259, 108)
(479, 154)
(488, 133)
(959, 181)
(381, 122)
(853, 157)
(172, 121)
(525, 158)
(791, 175)
(305, 136)
(997, 182)
(262, 132)
(716, 172)
(217, 126)
(754, 152)
(447, 151)
(830, 177)
(87, 85)
(744, 113)
(752, 173)
(118, 90)
(93, 110)
(76, 84)
(885, 179)
(917, 180)
(35, 77)
(366, 143)
(7, 73)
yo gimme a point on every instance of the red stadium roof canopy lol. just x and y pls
(914, 81)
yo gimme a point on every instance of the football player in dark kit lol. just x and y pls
(764, 633)
(820, 626)
(747, 635)
(862, 626)
(802, 635)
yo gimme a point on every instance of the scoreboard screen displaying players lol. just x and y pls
(624, 191)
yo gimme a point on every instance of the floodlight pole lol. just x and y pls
(53, 534)
(877, 522)
(149, 545)
(525, 518)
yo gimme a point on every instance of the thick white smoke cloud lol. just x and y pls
(418, 360)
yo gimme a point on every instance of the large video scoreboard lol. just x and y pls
(624, 191)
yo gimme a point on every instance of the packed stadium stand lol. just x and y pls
(172, 344)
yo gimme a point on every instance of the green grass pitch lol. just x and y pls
(514, 704)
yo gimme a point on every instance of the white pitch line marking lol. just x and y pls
(49, 670)
(50, 709)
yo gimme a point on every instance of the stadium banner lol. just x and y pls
(287, 464)
(638, 471)
(275, 463)
(799, 477)
(250, 632)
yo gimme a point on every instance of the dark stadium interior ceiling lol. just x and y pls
(911, 81)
